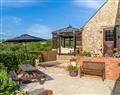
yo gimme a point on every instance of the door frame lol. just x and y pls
(117, 37)
(114, 37)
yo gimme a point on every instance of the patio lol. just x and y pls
(62, 84)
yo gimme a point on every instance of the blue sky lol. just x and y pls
(41, 17)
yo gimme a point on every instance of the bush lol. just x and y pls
(116, 55)
(7, 87)
(12, 60)
(32, 58)
(21, 58)
(9, 60)
(84, 53)
(72, 68)
(2, 66)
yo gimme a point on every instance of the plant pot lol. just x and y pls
(73, 74)
(41, 79)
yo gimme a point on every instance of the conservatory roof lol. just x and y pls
(67, 29)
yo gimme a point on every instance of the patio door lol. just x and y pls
(118, 37)
(109, 41)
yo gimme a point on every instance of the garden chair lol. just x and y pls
(14, 77)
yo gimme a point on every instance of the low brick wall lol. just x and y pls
(112, 70)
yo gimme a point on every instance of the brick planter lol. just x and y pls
(112, 70)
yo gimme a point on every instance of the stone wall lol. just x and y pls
(92, 35)
(112, 70)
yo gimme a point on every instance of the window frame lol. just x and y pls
(109, 35)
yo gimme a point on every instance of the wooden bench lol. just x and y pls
(93, 68)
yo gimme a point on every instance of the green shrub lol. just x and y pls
(116, 55)
(84, 53)
(12, 60)
(7, 87)
(13, 54)
(2, 66)
(9, 60)
(32, 58)
(72, 68)
(31, 46)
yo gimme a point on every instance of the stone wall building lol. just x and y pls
(101, 34)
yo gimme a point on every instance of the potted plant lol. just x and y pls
(85, 53)
(21, 93)
(73, 71)
(73, 61)
(41, 78)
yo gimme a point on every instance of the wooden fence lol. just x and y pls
(47, 56)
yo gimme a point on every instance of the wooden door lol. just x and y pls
(118, 37)
(109, 41)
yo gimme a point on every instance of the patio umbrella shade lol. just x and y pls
(24, 39)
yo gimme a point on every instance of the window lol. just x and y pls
(109, 35)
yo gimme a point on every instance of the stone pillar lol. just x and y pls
(53, 41)
(74, 41)
(59, 38)
(64, 42)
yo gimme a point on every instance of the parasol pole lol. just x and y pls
(26, 53)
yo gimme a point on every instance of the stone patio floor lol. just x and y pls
(62, 84)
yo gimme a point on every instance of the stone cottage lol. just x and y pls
(101, 34)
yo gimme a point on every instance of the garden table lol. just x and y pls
(27, 72)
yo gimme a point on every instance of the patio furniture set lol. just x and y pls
(27, 72)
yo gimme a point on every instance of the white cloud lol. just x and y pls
(3, 35)
(11, 20)
(38, 30)
(94, 4)
(16, 20)
(9, 25)
(17, 3)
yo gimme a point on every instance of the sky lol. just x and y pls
(41, 17)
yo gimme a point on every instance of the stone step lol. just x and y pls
(54, 70)
(64, 57)
(64, 61)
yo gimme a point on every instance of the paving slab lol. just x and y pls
(63, 84)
